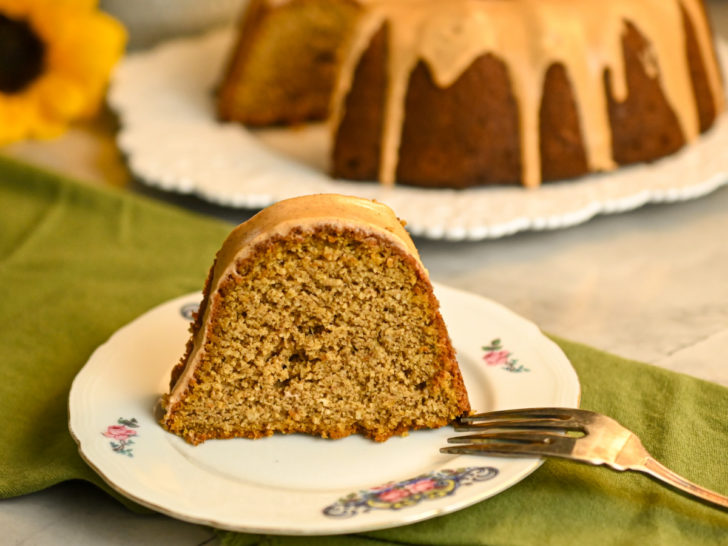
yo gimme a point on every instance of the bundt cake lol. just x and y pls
(458, 93)
(317, 317)
(283, 65)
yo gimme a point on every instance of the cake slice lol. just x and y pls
(317, 317)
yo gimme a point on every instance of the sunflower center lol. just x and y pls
(21, 54)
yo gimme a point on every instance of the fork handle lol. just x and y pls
(656, 469)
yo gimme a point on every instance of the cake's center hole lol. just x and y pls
(22, 55)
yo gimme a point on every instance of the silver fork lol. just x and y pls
(569, 433)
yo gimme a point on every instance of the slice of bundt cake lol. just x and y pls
(317, 317)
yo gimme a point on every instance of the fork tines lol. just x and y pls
(572, 434)
(560, 418)
(523, 432)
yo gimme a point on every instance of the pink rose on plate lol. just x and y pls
(393, 495)
(496, 358)
(420, 486)
(119, 432)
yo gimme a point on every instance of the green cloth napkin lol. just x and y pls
(77, 262)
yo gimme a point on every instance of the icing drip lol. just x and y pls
(529, 36)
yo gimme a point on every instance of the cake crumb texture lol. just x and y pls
(329, 332)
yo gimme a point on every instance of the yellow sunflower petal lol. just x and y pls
(27, 6)
(45, 128)
(37, 123)
(70, 54)
(15, 8)
(59, 97)
(14, 120)
(69, 41)
(84, 5)
(82, 46)
(7, 6)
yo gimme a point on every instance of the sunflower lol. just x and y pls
(55, 61)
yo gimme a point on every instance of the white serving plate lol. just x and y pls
(296, 484)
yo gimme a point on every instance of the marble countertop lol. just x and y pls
(649, 284)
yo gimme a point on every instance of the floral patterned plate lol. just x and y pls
(298, 484)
